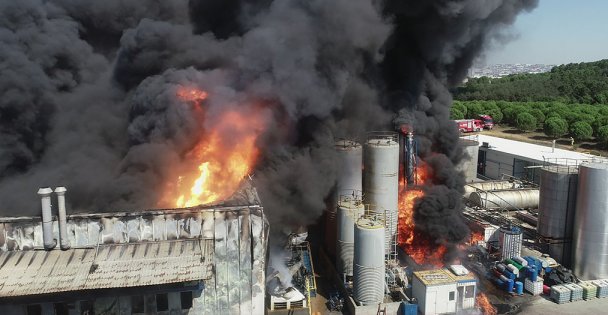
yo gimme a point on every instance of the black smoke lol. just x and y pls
(88, 93)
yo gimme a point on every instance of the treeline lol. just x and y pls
(572, 83)
(556, 119)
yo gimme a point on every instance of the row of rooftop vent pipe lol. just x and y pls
(47, 218)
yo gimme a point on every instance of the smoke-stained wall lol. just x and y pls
(88, 93)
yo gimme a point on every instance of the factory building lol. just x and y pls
(200, 260)
(444, 291)
(498, 157)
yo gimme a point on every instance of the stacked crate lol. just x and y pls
(534, 287)
(602, 288)
(589, 290)
(560, 294)
(577, 291)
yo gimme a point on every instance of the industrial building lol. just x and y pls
(202, 260)
(498, 157)
(444, 291)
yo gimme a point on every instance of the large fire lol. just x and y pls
(484, 303)
(224, 155)
(421, 248)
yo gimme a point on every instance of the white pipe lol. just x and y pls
(47, 218)
(63, 225)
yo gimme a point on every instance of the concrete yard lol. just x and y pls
(543, 306)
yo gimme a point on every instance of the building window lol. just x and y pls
(137, 304)
(34, 309)
(186, 299)
(61, 308)
(452, 293)
(469, 291)
(162, 302)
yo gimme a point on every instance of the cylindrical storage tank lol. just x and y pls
(368, 271)
(468, 165)
(509, 241)
(349, 164)
(349, 211)
(556, 210)
(506, 199)
(489, 185)
(381, 180)
(590, 232)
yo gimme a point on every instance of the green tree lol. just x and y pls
(473, 110)
(525, 122)
(602, 136)
(555, 127)
(581, 130)
(538, 114)
(455, 114)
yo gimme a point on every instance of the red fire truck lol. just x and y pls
(488, 122)
(469, 125)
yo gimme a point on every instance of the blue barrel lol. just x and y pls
(509, 285)
(409, 309)
(507, 273)
(519, 287)
(532, 273)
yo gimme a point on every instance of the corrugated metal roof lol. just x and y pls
(117, 265)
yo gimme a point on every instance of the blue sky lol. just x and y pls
(556, 32)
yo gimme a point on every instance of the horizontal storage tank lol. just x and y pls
(468, 165)
(506, 199)
(369, 269)
(381, 183)
(557, 203)
(590, 232)
(489, 185)
(349, 211)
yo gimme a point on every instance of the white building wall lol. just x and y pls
(434, 299)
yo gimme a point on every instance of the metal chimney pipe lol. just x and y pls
(47, 218)
(64, 242)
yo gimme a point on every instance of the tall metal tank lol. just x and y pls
(506, 199)
(469, 164)
(381, 181)
(349, 167)
(349, 163)
(349, 211)
(489, 185)
(509, 241)
(590, 242)
(369, 269)
(556, 210)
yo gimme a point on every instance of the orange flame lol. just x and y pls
(476, 237)
(484, 303)
(225, 154)
(422, 249)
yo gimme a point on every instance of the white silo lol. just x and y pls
(349, 211)
(349, 164)
(369, 268)
(381, 183)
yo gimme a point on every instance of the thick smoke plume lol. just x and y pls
(88, 93)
